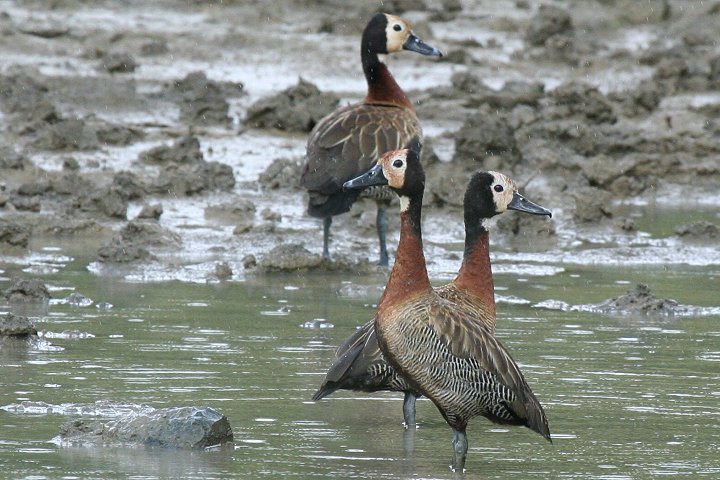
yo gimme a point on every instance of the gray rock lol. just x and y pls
(27, 291)
(296, 109)
(639, 300)
(12, 325)
(179, 427)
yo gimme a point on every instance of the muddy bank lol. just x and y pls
(595, 105)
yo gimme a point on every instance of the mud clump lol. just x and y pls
(185, 172)
(179, 180)
(486, 140)
(12, 325)
(202, 101)
(26, 99)
(547, 22)
(118, 63)
(239, 211)
(12, 160)
(289, 258)
(282, 173)
(122, 251)
(131, 243)
(151, 233)
(66, 135)
(526, 226)
(699, 231)
(151, 212)
(639, 300)
(130, 185)
(574, 99)
(184, 151)
(27, 291)
(118, 135)
(592, 205)
(296, 109)
(14, 234)
(110, 202)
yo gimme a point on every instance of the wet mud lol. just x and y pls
(151, 147)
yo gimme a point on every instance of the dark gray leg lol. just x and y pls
(460, 446)
(409, 410)
(382, 224)
(327, 221)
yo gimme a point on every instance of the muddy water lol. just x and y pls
(626, 396)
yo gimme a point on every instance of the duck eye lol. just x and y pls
(398, 163)
(498, 188)
(397, 27)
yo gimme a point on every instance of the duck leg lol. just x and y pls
(409, 410)
(382, 224)
(327, 221)
(460, 446)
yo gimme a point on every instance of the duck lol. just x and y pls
(346, 142)
(438, 346)
(359, 363)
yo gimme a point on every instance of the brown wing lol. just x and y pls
(474, 344)
(347, 142)
(359, 365)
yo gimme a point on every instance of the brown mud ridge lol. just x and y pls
(590, 118)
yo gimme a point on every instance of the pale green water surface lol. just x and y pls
(626, 396)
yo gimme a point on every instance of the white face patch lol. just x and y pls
(502, 189)
(396, 33)
(404, 203)
(394, 165)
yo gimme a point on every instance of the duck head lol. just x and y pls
(399, 169)
(387, 33)
(492, 193)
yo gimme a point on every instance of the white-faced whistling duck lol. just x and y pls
(359, 363)
(438, 346)
(345, 143)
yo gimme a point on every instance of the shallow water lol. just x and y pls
(626, 396)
